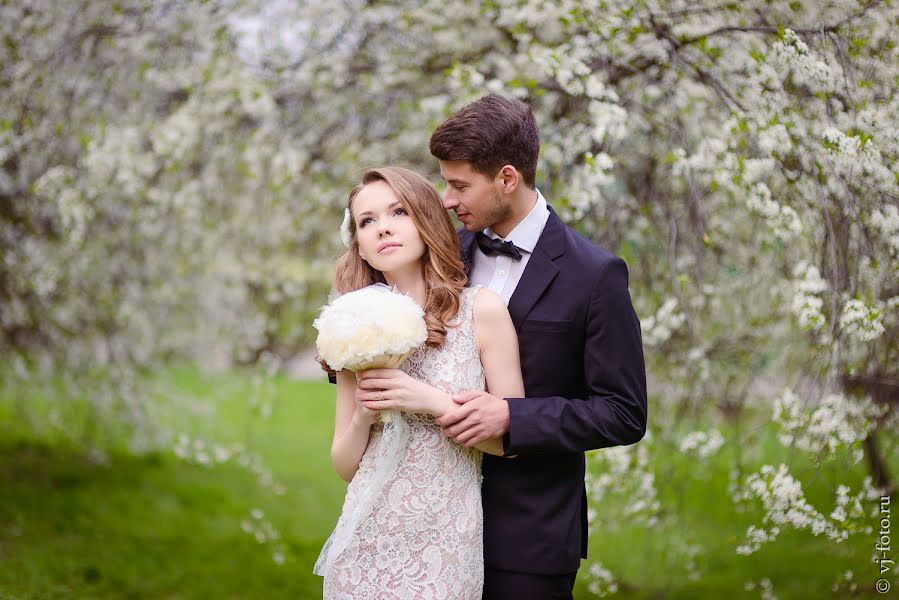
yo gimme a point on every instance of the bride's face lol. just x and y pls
(387, 237)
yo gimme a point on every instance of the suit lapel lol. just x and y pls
(466, 247)
(540, 270)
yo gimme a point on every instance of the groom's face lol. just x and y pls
(473, 196)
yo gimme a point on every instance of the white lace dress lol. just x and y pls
(412, 525)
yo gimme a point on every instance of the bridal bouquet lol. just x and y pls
(370, 328)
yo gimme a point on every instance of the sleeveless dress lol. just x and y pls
(412, 524)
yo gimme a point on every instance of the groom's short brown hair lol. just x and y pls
(489, 133)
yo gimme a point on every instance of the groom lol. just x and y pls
(580, 346)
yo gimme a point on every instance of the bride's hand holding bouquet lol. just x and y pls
(393, 389)
(371, 331)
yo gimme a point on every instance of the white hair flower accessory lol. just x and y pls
(345, 236)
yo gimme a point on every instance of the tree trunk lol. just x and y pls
(883, 390)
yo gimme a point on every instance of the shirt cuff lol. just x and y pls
(513, 403)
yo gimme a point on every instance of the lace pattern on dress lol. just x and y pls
(412, 523)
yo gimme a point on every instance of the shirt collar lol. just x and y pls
(527, 232)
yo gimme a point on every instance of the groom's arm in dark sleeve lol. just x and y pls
(332, 374)
(615, 412)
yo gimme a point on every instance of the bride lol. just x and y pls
(411, 524)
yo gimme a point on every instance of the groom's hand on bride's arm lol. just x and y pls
(479, 417)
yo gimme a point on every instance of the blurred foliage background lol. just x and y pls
(172, 177)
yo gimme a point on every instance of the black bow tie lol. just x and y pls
(489, 245)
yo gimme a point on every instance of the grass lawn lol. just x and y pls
(156, 526)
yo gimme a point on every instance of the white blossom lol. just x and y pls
(659, 327)
(784, 503)
(886, 221)
(602, 582)
(701, 443)
(775, 139)
(834, 423)
(860, 321)
(807, 302)
(782, 219)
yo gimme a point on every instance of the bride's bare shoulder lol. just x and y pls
(488, 303)
(489, 312)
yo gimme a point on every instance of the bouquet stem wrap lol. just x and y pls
(389, 361)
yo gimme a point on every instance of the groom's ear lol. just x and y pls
(508, 178)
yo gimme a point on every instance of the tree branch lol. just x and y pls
(767, 29)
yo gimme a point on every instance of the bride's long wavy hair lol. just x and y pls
(443, 270)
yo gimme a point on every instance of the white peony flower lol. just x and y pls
(373, 327)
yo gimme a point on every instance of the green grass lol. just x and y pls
(650, 563)
(155, 526)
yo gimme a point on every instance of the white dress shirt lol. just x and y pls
(501, 273)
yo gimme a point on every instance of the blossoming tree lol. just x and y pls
(150, 198)
(740, 156)
(164, 190)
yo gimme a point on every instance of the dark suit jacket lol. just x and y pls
(585, 381)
